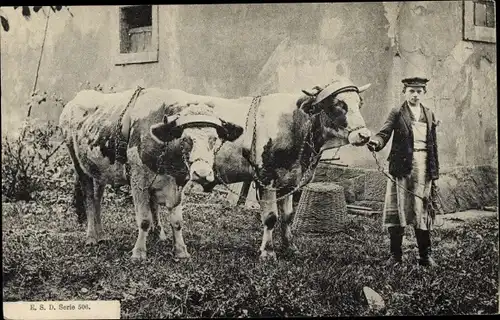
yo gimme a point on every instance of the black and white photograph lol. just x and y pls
(248, 160)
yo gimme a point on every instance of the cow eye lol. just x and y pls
(212, 141)
(187, 142)
(342, 105)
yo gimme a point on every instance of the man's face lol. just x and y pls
(413, 95)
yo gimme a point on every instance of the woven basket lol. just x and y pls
(322, 209)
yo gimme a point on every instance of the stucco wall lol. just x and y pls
(246, 49)
(427, 37)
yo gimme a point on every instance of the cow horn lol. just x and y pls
(170, 119)
(308, 93)
(363, 88)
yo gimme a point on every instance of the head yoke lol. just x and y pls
(190, 121)
(336, 87)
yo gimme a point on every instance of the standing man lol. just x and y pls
(413, 165)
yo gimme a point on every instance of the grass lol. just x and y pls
(45, 258)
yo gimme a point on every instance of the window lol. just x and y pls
(138, 34)
(480, 20)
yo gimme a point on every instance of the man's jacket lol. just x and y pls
(401, 155)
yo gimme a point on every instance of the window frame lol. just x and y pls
(472, 32)
(139, 57)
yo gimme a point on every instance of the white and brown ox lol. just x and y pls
(281, 146)
(153, 139)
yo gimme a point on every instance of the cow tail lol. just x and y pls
(78, 193)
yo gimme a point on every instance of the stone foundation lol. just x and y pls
(460, 188)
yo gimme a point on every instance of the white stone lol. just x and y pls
(374, 300)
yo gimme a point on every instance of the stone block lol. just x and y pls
(351, 180)
(374, 205)
(461, 188)
(465, 188)
(375, 186)
(446, 185)
(359, 187)
(330, 173)
(349, 193)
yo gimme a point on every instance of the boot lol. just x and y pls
(424, 247)
(396, 237)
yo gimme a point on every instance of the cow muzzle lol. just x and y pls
(359, 136)
(201, 171)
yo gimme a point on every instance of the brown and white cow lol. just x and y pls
(281, 146)
(153, 139)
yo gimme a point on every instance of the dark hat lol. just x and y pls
(415, 82)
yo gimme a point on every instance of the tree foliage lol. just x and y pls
(26, 11)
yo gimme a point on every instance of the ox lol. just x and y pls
(285, 135)
(152, 139)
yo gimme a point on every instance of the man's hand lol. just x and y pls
(372, 145)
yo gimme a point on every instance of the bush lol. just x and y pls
(34, 161)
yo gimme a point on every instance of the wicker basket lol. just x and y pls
(322, 209)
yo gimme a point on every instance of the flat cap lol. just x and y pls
(415, 82)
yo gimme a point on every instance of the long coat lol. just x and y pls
(401, 155)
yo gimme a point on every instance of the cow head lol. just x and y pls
(338, 106)
(201, 135)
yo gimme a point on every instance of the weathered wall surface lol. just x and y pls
(77, 49)
(246, 49)
(428, 40)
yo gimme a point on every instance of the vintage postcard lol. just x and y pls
(249, 160)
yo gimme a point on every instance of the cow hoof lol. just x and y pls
(267, 255)
(103, 240)
(139, 254)
(91, 241)
(291, 249)
(184, 255)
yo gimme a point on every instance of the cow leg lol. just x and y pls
(98, 193)
(143, 216)
(269, 218)
(153, 205)
(176, 223)
(87, 185)
(163, 235)
(285, 207)
(158, 223)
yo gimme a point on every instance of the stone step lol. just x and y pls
(363, 212)
(373, 205)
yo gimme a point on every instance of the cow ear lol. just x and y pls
(166, 131)
(229, 131)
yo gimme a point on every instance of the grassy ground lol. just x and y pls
(44, 258)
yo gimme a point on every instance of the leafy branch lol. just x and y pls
(27, 12)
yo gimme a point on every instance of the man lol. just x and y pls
(413, 165)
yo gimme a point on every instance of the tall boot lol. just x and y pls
(424, 247)
(396, 237)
